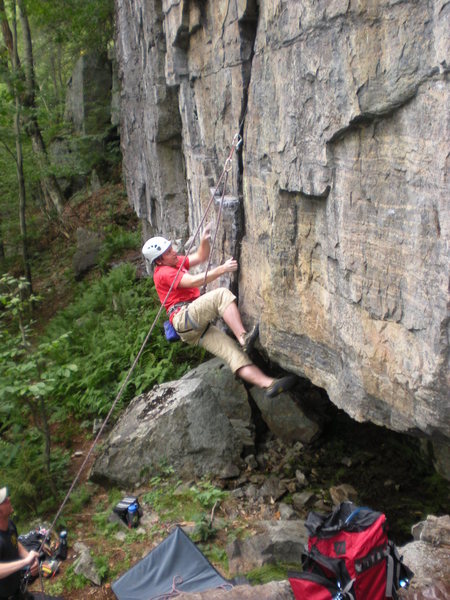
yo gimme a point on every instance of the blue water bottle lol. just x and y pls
(62, 547)
(133, 515)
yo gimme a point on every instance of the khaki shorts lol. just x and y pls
(193, 324)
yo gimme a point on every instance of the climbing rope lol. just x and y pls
(237, 140)
(174, 592)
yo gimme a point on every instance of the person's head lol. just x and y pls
(5, 503)
(157, 251)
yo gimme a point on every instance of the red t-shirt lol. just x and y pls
(163, 277)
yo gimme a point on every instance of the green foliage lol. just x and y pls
(76, 368)
(102, 566)
(104, 528)
(21, 458)
(17, 303)
(116, 242)
(79, 498)
(204, 529)
(170, 498)
(215, 554)
(207, 494)
(61, 32)
(76, 25)
(107, 325)
(27, 382)
(267, 573)
(72, 581)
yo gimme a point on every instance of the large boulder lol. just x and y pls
(274, 542)
(428, 556)
(285, 417)
(341, 180)
(89, 244)
(196, 428)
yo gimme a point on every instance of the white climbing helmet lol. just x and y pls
(154, 247)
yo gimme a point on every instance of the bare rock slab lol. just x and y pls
(275, 590)
(285, 418)
(183, 424)
(276, 542)
(428, 556)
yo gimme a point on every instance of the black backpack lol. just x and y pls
(129, 510)
(38, 540)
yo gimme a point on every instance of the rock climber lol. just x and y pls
(13, 556)
(192, 314)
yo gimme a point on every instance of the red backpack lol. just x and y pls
(349, 557)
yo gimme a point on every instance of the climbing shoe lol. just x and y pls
(281, 385)
(250, 339)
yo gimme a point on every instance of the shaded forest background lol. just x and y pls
(67, 341)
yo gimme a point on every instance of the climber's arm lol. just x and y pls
(27, 559)
(201, 254)
(189, 281)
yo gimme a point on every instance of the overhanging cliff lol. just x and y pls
(338, 201)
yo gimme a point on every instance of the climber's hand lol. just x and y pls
(230, 265)
(206, 235)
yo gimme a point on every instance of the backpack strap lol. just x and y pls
(390, 569)
(346, 591)
(398, 575)
(333, 565)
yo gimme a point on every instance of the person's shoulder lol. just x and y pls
(8, 532)
(161, 269)
(12, 527)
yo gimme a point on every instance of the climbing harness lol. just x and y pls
(237, 141)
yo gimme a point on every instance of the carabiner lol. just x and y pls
(237, 140)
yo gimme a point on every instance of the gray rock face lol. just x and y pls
(435, 531)
(429, 559)
(278, 541)
(84, 564)
(275, 590)
(150, 121)
(285, 418)
(184, 424)
(341, 185)
(88, 102)
(88, 249)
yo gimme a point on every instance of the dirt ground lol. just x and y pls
(399, 485)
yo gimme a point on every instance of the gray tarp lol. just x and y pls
(176, 564)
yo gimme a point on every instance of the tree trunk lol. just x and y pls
(12, 39)
(47, 446)
(49, 183)
(22, 198)
(52, 191)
